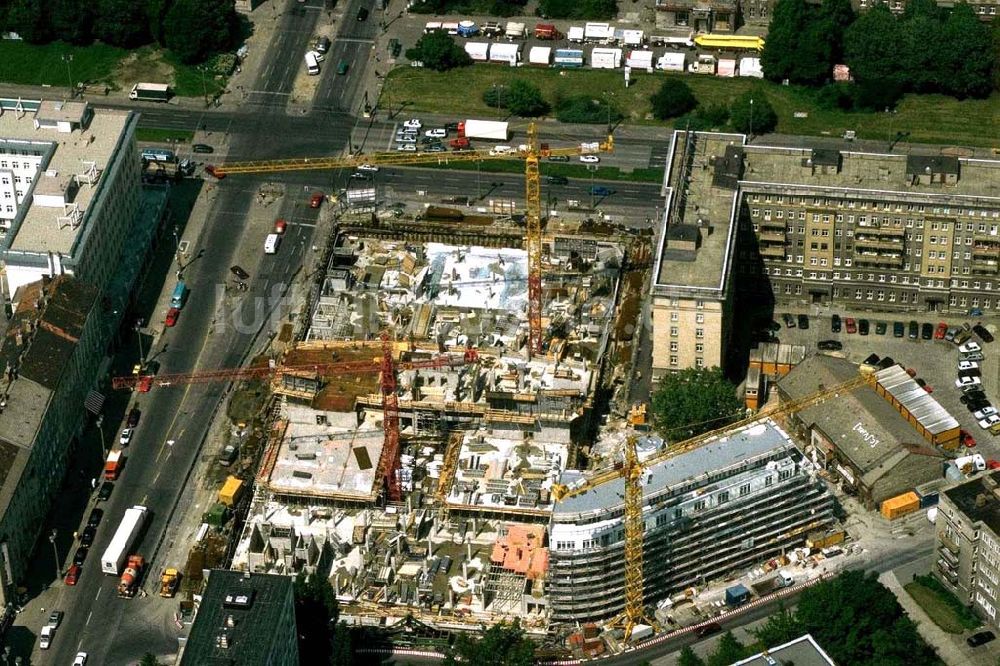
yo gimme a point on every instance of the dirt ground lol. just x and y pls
(145, 65)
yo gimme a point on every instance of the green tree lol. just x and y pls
(71, 20)
(439, 52)
(503, 644)
(156, 13)
(693, 401)
(836, 17)
(924, 70)
(780, 628)
(578, 9)
(996, 52)
(751, 113)
(194, 29)
(525, 99)
(927, 8)
(121, 23)
(674, 98)
(780, 56)
(727, 651)
(687, 657)
(585, 109)
(874, 47)
(966, 54)
(316, 614)
(27, 18)
(148, 659)
(342, 650)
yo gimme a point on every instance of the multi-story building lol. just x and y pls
(54, 345)
(968, 544)
(243, 618)
(69, 191)
(692, 289)
(714, 16)
(738, 500)
(985, 9)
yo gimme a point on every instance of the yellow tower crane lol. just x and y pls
(530, 153)
(632, 471)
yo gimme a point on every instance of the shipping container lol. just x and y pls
(231, 491)
(900, 505)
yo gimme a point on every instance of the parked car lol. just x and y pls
(81, 555)
(590, 159)
(557, 180)
(362, 14)
(981, 638)
(316, 200)
(438, 133)
(803, 321)
(280, 225)
(789, 320)
(413, 123)
(55, 619)
(558, 158)
(436, 148)
(927, 331)
(961, 337)
(968, 381)
(851, 324)
(940, 331)
(983, 334)
(80, 659)
(203, 148)
(96, 515)
(73, 575)
(125, 437)
(708, 629)
(970, 347)
(87, 536)
(829, 345)
(863, 327)
(971, 356)
(984, 412)
(949, 335)
(913, 330)
(171, 319)
(968, 365)
(407, 147)
(924, 385)
(967, 439)
(897, 329)
(881, 327)
(105, 492)
(977, 404)
(989, 421)
(835, 324)
(133, 417)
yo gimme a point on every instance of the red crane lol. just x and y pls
(385, 365)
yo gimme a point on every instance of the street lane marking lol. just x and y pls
(99, 590)
(156, 478)
(143, 500)
(89, 615)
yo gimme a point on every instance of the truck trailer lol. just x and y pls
(124, 539)
(113, 465)
(150, 92)
(484, 129)
(568, 58)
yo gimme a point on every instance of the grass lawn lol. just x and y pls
(29, 64)
(942, 606)
(928, 118)
(569, 170)
(163, 135)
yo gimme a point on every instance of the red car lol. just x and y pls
(72, 575)
(211, 170)
(852, 326)
(942, 328)
(316, 201)
(967, 439)
(280, 226)
(993, 464)
(172, 315)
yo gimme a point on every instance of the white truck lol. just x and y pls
(150, 92)
(484, 129)
(124, 540)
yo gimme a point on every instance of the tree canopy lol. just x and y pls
(674, 98)
(804, 40)
(194, 29)
(752, 113)
(520, 98)
(503, 644)
(693, 401)
(439, 52)
(856, 619)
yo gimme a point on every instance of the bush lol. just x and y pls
(674, 98)
(751, 113)
(836, 97)
(704, 119)
(439, 52)
(583, 109)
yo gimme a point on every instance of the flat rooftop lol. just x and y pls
(64, 154)
(324, 460)
(803, 651)
(979, 499)
(720, 453)
(858, 171)
(698, 230)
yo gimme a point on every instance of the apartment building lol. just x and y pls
(717, 16)
(692, 291)
(967, 545)
(738, 500)
(69, 191)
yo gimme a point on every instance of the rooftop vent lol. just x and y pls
(241, 600)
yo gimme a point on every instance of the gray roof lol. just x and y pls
(726, 451)
(251, 636)
(862, 424)
(978, 499)
(803, 651)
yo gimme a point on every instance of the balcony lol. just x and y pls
(875, 259)
(950, 575)
(949, 544)
(771, 223)
(984, 267)
(773, 251)
(949, 557)
(770, 236)
(866, 230)
(881, 243)
(987, 250)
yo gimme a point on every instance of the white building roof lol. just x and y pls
(540, 55)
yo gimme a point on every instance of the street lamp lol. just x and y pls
(204, 86)
(68, 58)
(100, 428)
(592, 169)
(138, 332)
(55, 551)
(750, 133)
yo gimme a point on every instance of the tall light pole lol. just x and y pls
(68, 58)
(592, 169)
(55, 551)
(138, 333)
(750, 137)
(100, 428)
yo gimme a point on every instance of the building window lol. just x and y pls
(699, 318)
(699, 348)
(699, 332)
(699, 362)
(723, 497)
(673, 360)
(673, 345)
(673, 331)
(699, 505)
(744, 489)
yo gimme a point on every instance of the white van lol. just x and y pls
(271, 243)
(312, 65)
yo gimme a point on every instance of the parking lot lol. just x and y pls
(934, 361)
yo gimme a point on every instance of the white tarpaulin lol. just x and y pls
(640, 59)
(726, 68)
(598, 31)
(540, 55)
(478, 50)
(751, 67)
(671, 62)
(606, 58)
(575, 34)
(508, 53)
(632, 37)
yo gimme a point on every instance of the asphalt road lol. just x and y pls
(213, 331)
